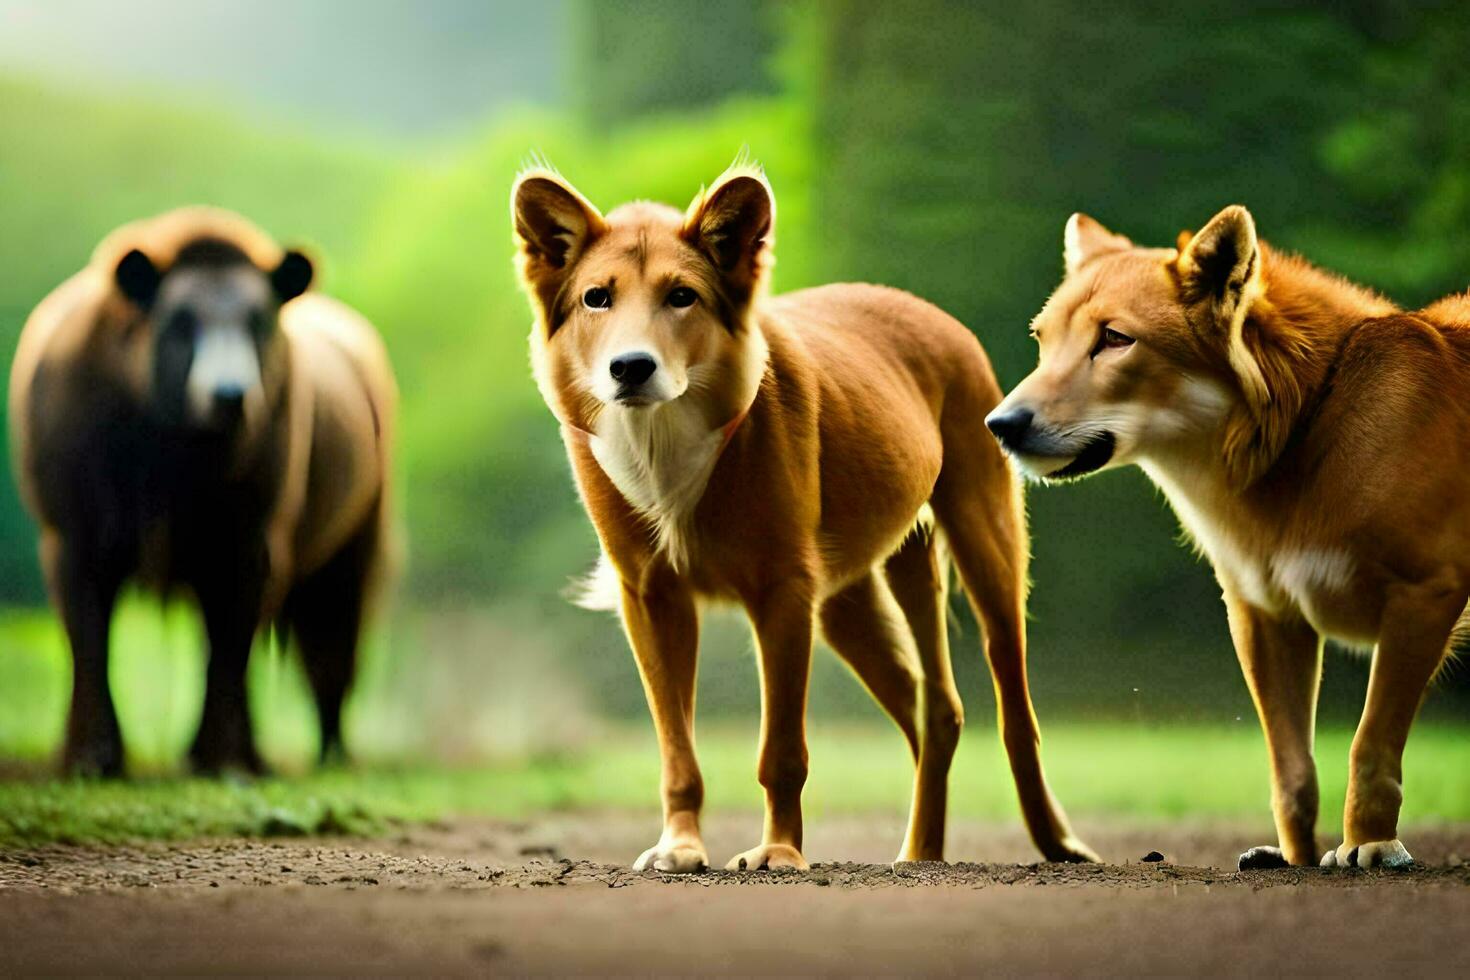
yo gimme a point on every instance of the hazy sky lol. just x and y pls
(395, 66)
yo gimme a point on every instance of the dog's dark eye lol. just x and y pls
(597, 298)
(1109, 339)
(682, 296)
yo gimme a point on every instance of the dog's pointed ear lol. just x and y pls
(1221, 265)
(554, 225)
(1222, 262)
(1084, 239)
(137, 278)
(733, 223)
(553, 222)
(292, 277)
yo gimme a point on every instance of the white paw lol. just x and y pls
(1374, 854)
(768, 857)
(674, 860)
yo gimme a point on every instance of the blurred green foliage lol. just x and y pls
(932, 145)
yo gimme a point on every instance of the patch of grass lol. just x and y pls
(1145, 773)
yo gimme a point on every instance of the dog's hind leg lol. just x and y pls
(978, 506)
(890, 629)
(870, 626)
(918, 574)
(865, 626)
(1418, 621)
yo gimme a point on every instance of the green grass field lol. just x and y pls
(1144, 773)
(1133, 770)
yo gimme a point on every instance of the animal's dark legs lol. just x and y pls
(231, 608)
(85, 589)
(325, 613)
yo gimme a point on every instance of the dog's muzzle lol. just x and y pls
(632, 373)
(1011, 427)
(1092, 457)
(1019, 435)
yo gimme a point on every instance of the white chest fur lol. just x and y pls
(660, 459)
(1313, 579)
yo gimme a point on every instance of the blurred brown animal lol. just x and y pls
(778, 453)
(182, 415)
(1314, 441)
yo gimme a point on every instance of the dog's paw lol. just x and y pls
(674, 859)
(1263, 859)
(772, 857)
(1374, 854)
(1070, 850)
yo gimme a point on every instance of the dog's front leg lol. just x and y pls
(1416, 631)
(783, 631)
(1282, 662)
(662, 621)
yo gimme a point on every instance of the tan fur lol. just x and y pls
(779, 457)
(1316, 453)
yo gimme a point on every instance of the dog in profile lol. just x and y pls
(778, 453)
(1314, 441)
(185, 415)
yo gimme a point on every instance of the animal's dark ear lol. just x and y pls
(733, 223)
(553, 225)
(291, 278)
(1084, 239)
(137, 278)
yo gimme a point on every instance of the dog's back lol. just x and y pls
(894, 380)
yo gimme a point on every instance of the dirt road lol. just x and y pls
(555, 895)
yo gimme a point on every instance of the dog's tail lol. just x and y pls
(599, 590)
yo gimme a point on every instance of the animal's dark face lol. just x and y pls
(211, 327)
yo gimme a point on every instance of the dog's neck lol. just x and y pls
(661, 457)
(1293, 333)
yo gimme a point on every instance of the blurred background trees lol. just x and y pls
(934, 145)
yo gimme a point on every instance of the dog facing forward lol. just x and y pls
(777, 453)
(1314, 442)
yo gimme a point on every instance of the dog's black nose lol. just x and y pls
(632, 369)
(229, 405)
(1010, 427)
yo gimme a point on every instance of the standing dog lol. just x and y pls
(181, 417)
(1312, 439)
(777, 453)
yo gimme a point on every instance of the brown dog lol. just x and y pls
(778, 453)
(1313, 441)
(181, 417)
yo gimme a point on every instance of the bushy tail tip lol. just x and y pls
(599, 589)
